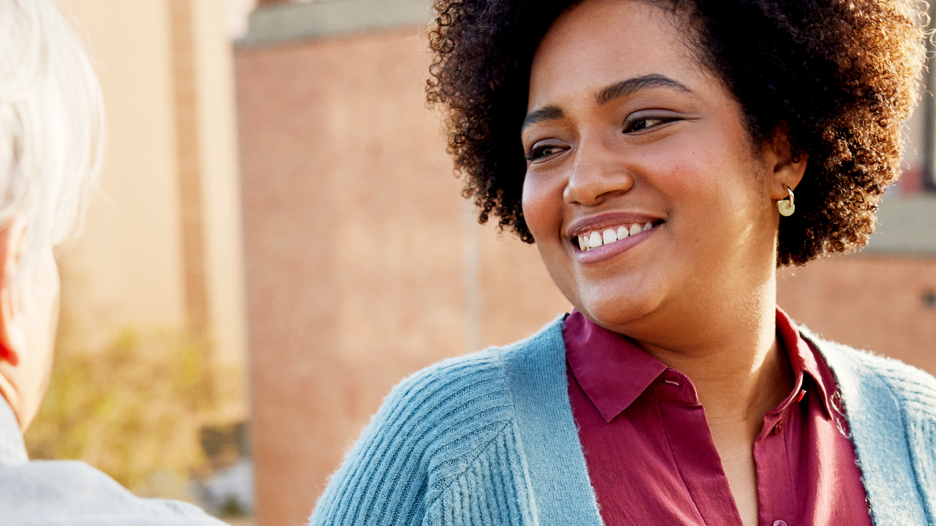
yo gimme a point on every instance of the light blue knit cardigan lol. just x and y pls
(489, 439)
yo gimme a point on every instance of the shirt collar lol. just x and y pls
(600, 359)
(12, 448)
(802, 358)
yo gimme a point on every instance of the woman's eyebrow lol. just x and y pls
(543, 114)
(609, 93)
(633, 85)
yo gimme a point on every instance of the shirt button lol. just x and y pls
(776, 430)
(779, 523)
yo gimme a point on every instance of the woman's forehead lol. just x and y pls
(600, 43)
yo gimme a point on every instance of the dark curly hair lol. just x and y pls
(838, 76)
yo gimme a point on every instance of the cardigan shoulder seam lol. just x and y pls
(468, 462)
(491, 361)
(500, 357)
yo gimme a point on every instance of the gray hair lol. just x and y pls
(52, 124)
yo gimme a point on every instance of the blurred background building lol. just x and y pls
(279, 212)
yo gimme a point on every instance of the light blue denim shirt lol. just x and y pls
(65, 492)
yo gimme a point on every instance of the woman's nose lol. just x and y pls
(597, 174)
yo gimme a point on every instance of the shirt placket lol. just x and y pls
(694, 450)
(776, 498)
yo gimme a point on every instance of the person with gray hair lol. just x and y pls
(51, 146)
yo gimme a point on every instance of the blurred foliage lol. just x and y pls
(232, 507)
(132, 408)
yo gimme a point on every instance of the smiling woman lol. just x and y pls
(651, 150)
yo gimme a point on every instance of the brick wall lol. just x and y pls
(884, 303)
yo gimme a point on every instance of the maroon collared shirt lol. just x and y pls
(651, 457)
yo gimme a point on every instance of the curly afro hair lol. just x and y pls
(838, 76)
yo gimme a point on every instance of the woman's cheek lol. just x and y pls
(542, 206)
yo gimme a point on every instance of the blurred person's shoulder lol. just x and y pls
(74, 493)
(51, 492)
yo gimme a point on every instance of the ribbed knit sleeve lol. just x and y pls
(443, 449)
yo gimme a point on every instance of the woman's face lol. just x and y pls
(624, 129)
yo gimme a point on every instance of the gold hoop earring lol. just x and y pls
(786, 206)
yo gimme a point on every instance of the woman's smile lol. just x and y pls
(599, 238)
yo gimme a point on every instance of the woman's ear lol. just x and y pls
(12, 320)
(786, 170)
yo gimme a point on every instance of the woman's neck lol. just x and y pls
(732, 356)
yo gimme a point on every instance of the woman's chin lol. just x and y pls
(617, 314)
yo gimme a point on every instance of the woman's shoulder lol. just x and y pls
(485, 372)
(452, 421)
(443, 402)
(877, 375)
(468, 400)
(451, 377)
(418, 443)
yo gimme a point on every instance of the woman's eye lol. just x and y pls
(542, 151)
(638, 124)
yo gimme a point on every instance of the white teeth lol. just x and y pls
(594, 240)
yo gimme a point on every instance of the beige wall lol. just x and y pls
(129, 261)
(221, 194)
(128, 256)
